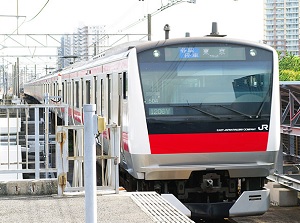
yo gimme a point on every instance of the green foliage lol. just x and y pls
(289, 67)
(289, 75)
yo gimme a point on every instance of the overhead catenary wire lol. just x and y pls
(162, 8)
(39, 11)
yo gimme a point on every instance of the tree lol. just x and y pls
(289, 67)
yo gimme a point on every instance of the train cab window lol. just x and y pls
(226, 81)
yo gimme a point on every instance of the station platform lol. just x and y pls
(70, 208)
(113, 208)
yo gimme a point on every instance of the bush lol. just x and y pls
(289, 75)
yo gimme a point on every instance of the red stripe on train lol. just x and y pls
(208, 142)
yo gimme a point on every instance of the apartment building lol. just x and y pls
(281, 25)
(82, 45)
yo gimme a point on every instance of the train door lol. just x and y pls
(120, 96)
(114, 89)
(123, 83)
(114, 97)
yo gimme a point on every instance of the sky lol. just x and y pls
(242, 19)
(236, 18)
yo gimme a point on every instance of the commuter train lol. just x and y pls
(199, 117)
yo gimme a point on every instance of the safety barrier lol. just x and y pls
(34, 150)
(84, 156)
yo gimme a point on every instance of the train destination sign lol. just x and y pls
(205, 53)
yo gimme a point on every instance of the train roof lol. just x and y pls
(208, 39)
(122, 49)
(141, 45)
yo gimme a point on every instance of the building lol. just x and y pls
(87, 41)
(281, 25)
(64, 52)
(83, 44)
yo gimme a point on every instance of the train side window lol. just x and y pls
(82, 94)
(88, 92)
(66, 92)
(54, 89)
(69, 93)
(44, 88)
(125, 86)
(109, 98)
(101, 96)
(76, 101)
(63, 92)
(72, 93)
(95, 92)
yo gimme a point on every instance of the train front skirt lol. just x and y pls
(249, 203)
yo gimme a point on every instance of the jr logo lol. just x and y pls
(263, 127)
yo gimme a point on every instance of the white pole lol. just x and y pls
(90, 165)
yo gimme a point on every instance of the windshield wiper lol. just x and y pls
(236, 111)
(197, 109)
(263, 103)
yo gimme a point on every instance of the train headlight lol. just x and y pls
(156, 53)
(253, 52)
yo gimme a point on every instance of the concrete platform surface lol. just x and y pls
(111, 208)
(69, 209)
(275, 214)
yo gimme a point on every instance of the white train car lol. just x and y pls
(199, 117)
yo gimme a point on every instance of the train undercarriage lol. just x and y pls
(208, 194)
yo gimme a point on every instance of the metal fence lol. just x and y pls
(33, 146)
(27, 142)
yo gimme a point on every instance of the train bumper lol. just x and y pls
(249, 203)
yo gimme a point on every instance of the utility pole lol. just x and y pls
(17, 16)
(17, 90)
(149, 27)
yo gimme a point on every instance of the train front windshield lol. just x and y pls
(206, 82)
